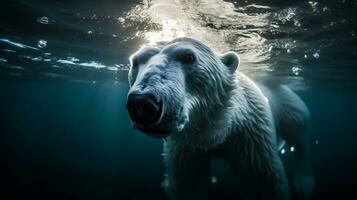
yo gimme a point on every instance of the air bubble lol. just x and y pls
(3, 60)
(42, 44)
(121, 19)
(316, 55)
(297, 23)
(282, 151)
(213, 179)
(296, 70)
(43, 20)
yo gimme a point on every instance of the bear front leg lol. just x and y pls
(187, 172)
(260, 172)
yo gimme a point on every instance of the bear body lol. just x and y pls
(206, 109)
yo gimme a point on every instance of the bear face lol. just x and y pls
(174, 86)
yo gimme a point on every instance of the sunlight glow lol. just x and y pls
(170, 30)
(223, 26)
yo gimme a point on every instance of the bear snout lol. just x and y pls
(144, 109)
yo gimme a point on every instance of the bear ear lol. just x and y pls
(231, 60)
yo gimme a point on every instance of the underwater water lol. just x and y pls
(64, 130)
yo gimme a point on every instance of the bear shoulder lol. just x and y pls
(251, 113)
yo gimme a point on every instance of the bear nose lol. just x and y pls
(144, 109)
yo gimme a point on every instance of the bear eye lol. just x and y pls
(188, 58)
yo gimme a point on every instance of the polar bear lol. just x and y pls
(203, 108)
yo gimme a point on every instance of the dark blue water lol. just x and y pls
(64, 130)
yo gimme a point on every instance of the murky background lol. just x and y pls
(64, 131)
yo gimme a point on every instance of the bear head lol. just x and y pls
(177, 86)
